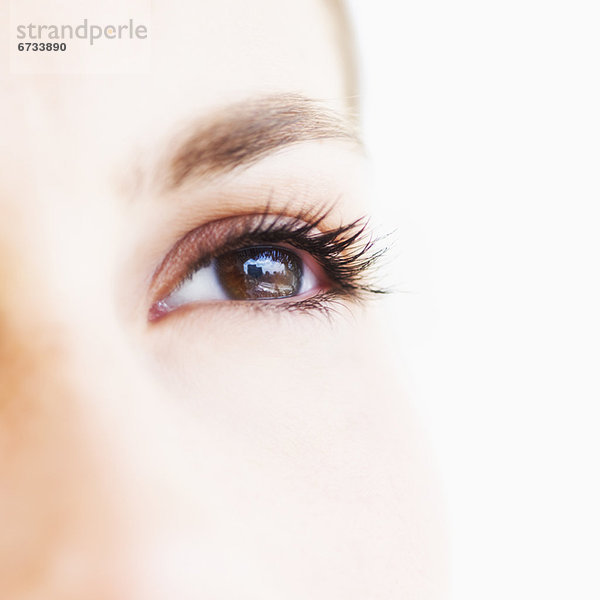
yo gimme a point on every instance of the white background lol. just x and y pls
(483, 121)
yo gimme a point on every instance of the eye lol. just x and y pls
(253, 273)
(267, 258)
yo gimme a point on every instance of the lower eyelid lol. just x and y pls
(300, 303)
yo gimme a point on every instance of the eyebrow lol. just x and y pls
(245, 132)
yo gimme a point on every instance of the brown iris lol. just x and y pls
(261, 272)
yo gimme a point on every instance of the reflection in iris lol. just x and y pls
(253, 273)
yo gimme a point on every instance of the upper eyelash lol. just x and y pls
(348, 254)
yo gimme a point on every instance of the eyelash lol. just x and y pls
(347, 254)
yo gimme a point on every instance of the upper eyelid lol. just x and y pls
(214, 237)
(209, 235)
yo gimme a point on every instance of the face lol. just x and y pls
(195, 399)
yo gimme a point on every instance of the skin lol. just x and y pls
(220, 452)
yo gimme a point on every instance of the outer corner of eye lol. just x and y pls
(257, 273)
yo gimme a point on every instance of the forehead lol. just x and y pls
(205, 54)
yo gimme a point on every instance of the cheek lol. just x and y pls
(320, 448)
(295, 379)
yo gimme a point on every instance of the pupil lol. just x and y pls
(254, 273)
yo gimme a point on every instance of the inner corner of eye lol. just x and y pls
(252, 273)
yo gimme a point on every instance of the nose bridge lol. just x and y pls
(23, 343)
(42, 302)
(91, 471)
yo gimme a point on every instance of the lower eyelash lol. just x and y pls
(324, 303)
